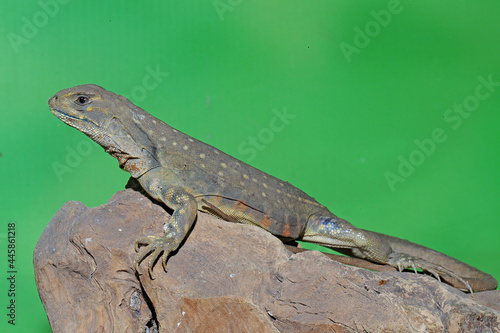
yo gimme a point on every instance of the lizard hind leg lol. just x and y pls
(334, 232)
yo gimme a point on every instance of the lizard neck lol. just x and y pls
(139, 166)
(130, 145)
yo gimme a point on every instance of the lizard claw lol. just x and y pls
(154, 246)
(403, 260)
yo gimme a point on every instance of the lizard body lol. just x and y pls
(189, 175)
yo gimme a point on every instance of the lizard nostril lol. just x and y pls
(53, 99)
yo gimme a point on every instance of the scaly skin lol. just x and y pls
(188, 175)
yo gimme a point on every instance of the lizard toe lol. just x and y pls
(403, 261)
(154, 247)
(158, 249)
(142, 253)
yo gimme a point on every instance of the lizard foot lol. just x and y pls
(403, 260)
(154, 245)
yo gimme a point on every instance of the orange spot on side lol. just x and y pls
(266, 222)
(215, 201)
(286, 231)
(237, 206)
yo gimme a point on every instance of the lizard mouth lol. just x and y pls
(73, 120)
(65, 116)
(83, 124)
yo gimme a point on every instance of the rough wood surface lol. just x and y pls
(227, 278)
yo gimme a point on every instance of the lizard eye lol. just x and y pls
(82, 100)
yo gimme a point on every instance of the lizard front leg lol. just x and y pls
(175, 230)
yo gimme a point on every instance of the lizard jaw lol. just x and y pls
(86, 126)
(83, 124)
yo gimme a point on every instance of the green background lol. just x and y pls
(230, 63)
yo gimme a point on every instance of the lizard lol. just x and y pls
(188, 176)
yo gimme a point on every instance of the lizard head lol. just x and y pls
(107, 118)
(87, 108)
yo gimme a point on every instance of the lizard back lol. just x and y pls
(227, 183)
